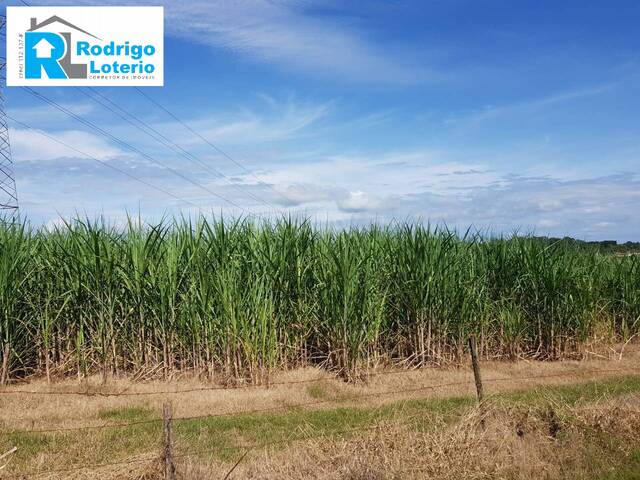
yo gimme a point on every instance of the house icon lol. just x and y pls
(37, 26)
(43, 48)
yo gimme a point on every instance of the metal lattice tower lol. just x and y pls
(8, 193)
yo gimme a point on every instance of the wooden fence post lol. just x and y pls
(167, 454)
(476, 367)
(4, 370)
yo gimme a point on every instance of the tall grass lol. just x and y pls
(242, 299)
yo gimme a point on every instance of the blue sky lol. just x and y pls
(500, 115)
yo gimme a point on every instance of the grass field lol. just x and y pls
(556, 420)
(250, 331)
(243, 299)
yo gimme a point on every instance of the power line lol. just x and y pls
(102, 162)
(187, 153)
(165, 141)
(128, 146)
(211, 144)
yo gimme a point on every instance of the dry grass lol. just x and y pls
(513, 443)
(29, 411)
(385, 442)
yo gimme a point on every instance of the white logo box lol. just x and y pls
(85, 46)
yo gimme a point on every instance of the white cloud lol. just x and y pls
(28, 145)
(422, 185)
(359, 201)
(283, 121)
(546, 223)
(301, 194)
(524, 108)
(604, 224)
(589, 208)
(348, 191)
(281, 32)
(402, 173)
(40, 112)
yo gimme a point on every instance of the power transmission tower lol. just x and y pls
(8, 193)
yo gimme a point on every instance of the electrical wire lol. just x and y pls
(95, 128)
(102, 162)
(165, 141)
(211, 144)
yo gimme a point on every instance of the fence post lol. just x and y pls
(4, 373)
(167, 454)
(476, 367)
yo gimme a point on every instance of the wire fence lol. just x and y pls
(288, 408)
(127, 392)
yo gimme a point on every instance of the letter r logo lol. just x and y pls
(43, 50)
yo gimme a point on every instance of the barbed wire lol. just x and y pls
(94, 466)
(311, 403)
(244, 412)
(377, 425)
(125, 392)
(193, 453)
